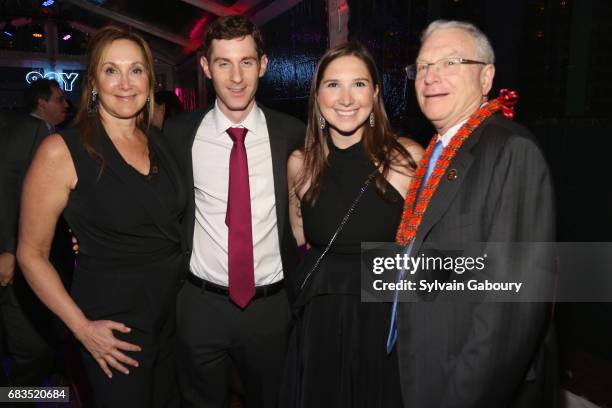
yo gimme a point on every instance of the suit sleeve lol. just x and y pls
(300, 135)
(174, 135)
(504, 338)
(23, 137)
(6, 240)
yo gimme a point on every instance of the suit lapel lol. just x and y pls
(142, 191)
(278, 147)
(448, 187)
(41, 132)
(188, 159)
(192, 128)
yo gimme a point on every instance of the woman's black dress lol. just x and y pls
(337, 354)
(130, 263)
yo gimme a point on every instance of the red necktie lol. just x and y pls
(238, 220)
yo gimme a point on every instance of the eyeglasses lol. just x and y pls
(444, 66)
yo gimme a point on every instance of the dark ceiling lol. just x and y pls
(174, 28)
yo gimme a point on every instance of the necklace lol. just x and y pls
(413, 214)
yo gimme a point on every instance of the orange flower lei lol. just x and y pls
(413, 214)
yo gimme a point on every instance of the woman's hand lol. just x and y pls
(7, 268)
(97, 337)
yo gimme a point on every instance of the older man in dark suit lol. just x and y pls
(483, 179)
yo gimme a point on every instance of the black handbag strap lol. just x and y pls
(344, 220)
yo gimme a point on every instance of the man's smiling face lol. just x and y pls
(235, 69)
(448, 99)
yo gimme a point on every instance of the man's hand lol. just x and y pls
(7, 268)
(75, 242)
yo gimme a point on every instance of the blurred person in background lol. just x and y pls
(167, 105)
(31, 333)
(46, 101)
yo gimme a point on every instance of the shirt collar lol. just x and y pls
(222, 123)
(446, 137)
(49, 127)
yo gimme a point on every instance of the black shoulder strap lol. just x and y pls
(342, 223)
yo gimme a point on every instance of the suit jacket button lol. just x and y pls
(451, 175)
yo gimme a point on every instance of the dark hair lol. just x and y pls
(170, 101)
(88, 122)
(230, 27)
(379, 142)
(41, 89)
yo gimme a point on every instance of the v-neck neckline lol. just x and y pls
(116, 150)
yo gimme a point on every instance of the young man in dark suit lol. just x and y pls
(233, 309)
(486, 181)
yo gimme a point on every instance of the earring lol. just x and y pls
(372, 121)
(92, 106)
(322, 122)
(145, 109)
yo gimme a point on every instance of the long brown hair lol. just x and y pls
(379, 142)
(88, 122)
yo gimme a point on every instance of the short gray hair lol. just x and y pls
(483, 45)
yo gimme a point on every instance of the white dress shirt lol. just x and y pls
(50, 128)
(210, 155)
(446, 137)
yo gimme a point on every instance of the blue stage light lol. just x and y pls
(48, 3)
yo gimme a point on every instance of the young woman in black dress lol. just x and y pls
(120, 191)
(337, 351)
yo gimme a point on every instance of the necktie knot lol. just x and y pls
(237, 134)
